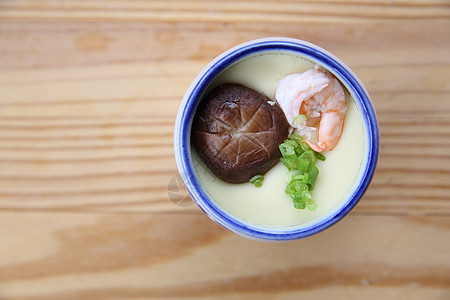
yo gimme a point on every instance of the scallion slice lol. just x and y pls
(300, 160)
(257, 180)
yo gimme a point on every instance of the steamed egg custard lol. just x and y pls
(269, 205)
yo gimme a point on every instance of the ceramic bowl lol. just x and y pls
(183, 150)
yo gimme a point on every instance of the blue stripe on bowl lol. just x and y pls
(198, 88)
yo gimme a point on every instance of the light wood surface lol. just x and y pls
(90, 205)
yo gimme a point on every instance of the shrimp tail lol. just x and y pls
(319, 147)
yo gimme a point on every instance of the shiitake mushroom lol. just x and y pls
(236, 132)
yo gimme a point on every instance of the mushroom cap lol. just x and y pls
(236, 132)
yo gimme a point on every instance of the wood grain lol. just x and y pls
(119, 256)
(225, 11)
(90, 203)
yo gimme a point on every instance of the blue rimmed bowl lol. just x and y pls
(183, 149)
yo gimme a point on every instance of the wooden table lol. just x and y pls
(90, 206)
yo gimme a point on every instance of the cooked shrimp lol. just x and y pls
(318, 96)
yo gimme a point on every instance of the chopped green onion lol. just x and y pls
(320, 156)
(285, 163)
(311, 205)
(300, 205)
(257, 180)
(299, 121)
(300, 177)
(313, 172)
(300, 160)
(303, 164)
(305, 146)
(296, 137)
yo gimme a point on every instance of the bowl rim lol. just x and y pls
(195, 92)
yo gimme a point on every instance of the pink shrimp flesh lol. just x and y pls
(320, 97)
